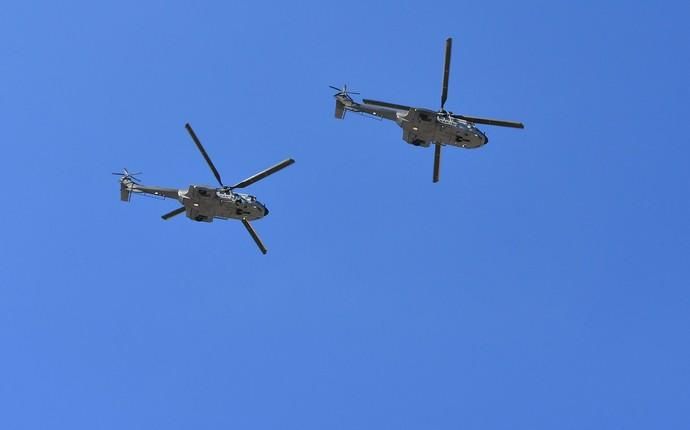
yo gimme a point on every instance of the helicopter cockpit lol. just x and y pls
(448, 120)
(457, 123)
(224, 194)
(248, 198)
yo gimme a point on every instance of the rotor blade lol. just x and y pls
(259, 176)
(489, 121)
(385, 104)
(343, 90)
(126, 174)
(446, 72)
(129, 177)
(437, 162)
(256, 238)
(171, 214)
(203, 152)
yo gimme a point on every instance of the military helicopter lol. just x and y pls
(204, 203)
(422, 127)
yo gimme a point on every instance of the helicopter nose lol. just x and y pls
(265, 211)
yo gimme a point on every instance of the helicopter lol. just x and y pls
(421, 126)
(204, 203)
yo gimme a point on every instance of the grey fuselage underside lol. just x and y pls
(422, 127)
(204, 203)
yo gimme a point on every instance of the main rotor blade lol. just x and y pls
(259, 176)
(489, 121)
(437, 162)
(446, 72)
(204, 153)
(386, 104)
(171, 214)
(255, 236)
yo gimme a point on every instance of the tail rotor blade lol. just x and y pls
(446, 72)
(259, 176)
(173, 213)
(128, 176)
(343, 91)
(204, 153)
(126, 172)
(254, 236)
(437, 162)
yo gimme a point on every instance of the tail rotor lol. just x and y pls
(125, 175)
(342, 100)
(127, 182)
(343, 91)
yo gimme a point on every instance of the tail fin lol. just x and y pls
(339, 109)
(343, 94)
(127, 183)
(125, 191)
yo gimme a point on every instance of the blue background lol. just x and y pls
(542, 284)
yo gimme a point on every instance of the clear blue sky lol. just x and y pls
(542, 284)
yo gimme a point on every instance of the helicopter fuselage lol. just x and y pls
(423, 127)
(204, 203)
(207, 203)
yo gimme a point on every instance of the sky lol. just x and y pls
(541, 284)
